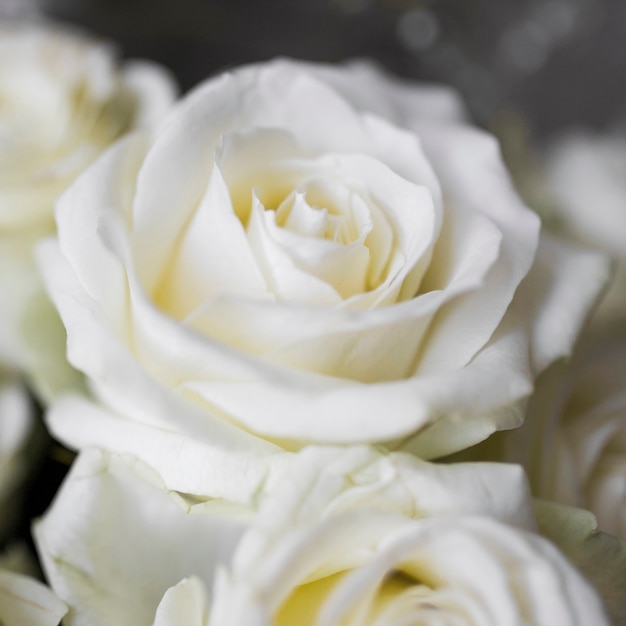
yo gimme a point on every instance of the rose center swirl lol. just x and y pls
(275, 224)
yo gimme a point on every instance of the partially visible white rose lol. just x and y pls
(306, 253)
(573, 440)
(379, 569)
(64, 98)
(586, 174)
(344, 537)
(462, 552)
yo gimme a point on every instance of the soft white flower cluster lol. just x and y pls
(282, 300)
(63, 99)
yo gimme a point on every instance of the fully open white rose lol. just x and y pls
(64, 98)
(307, 254)
(345, 537)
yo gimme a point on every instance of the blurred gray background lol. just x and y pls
(550, 63)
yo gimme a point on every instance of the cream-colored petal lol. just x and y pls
(561, 288)
(93, 348)
(185, 604)
(90, 228)
(25, 601)
(196, 465)
(213, 257)
(115, 540)
(287, 281)
(323, 410)
(340, 342)
(471, 171)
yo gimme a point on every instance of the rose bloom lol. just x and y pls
(345, 536)
(65, 98)
(299, 254)
(573, 441)
(586, 176)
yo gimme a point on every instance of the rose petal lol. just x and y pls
(84, 241)
(287, 281)
(26, 601)
(185, 464)
(116, 540)
(564, 280)
(185, 603)
(213, 257)
(542, 586)
(92, 349)
(469, 166)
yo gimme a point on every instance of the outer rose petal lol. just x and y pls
(26, 601)
(185, 464)
(118, 540)
(116, 544)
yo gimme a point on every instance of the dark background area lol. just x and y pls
(558, 63)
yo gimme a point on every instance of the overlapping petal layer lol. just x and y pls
(278, 263)
(344, 536)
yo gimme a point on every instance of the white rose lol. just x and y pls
(65, 98)
(345, 537)
(586, 175)
(573, 441)
(277, 265)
